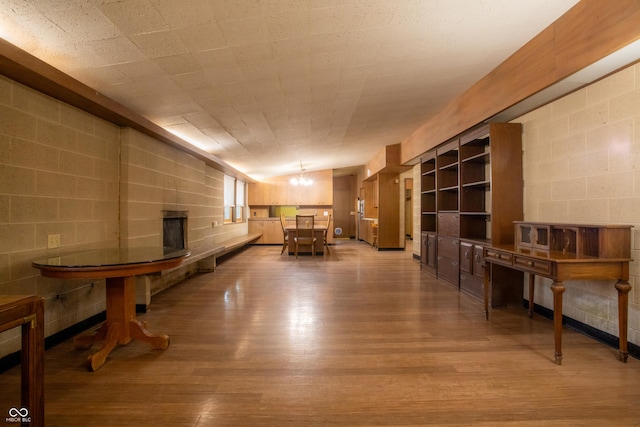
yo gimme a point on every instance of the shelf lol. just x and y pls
(449, 166)
(479, 213)
(484, 158)
(478, 184)
(477, 241)
(453, 188)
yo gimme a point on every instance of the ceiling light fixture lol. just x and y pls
(300, 179)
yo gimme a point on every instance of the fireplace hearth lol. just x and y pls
(174, 230)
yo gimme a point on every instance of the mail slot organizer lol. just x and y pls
(603, 241)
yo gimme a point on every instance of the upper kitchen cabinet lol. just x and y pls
(280, 191)
(320, 193)
(268, 193)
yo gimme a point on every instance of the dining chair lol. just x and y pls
(305, 233)
(326, 235)
(285, 233)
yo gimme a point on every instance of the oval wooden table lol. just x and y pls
(118, 266)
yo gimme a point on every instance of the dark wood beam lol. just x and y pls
(588, 32)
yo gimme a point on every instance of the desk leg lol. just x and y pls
(558, 289)
(487, 294)
(532, 282)
(623, 288)
(32, 354)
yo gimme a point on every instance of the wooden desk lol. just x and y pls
(318, 232)
(589, 253)
(119, 267)
(28, 312)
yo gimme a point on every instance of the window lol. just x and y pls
(239, 201)
(234, 200)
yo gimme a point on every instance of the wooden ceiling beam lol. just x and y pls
(588, 32)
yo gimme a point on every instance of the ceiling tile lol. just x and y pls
(265, 83)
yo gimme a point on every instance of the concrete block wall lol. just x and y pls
(158, 177)
(59, 170)
(66, 172)
(581, 158)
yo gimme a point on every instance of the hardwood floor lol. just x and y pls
(357, 338)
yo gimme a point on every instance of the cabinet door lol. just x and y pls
(432, 254)
(278, 193)
(257, 194)
(471, 285)
(449, 224)
(448, 270)
(320, 193)
(448, 247)
(268, 193)
(478, 262)
(466, 257)
(424, 248)
(272, 233)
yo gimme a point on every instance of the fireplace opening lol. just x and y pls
(174, 230)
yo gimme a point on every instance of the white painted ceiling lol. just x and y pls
(267, 84)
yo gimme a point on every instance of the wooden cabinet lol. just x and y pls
(280, 192)
(581, 240)
(428, 255)
(447, 176)
(370, 205)
(270, 228)
(320, 193)
(428, 214)
(471, 193)
(268, 193)
(366, 230)
(257, 194)
(471, 268)
(428, 193)
(382, 202)
(388, 189)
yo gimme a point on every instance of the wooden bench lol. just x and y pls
(205, 256)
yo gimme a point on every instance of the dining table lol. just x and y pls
(318, 233)
(119, 266)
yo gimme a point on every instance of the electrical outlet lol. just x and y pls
(53, 241)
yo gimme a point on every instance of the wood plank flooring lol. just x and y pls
(357, 338)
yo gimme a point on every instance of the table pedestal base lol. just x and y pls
(121, 325)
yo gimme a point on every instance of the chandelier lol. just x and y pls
(300, 179)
